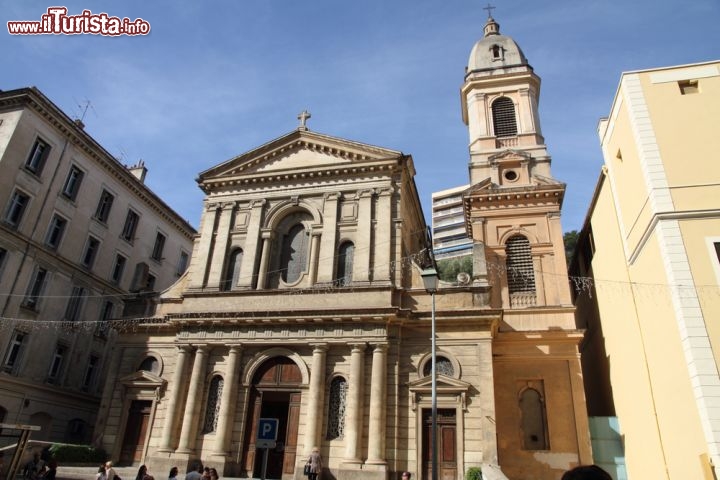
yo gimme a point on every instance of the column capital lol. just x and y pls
(358, 347)
(227, 205)
(366, 193)
(319, 347)
(333, 196)
(379, 347)
(258, 203)
(235, 348)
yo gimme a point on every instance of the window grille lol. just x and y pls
(443, 366)
(520, 272)
(336, 410)
(503, 112)
(345, 264)
(232, 274)
(212, 412)
(294, 253)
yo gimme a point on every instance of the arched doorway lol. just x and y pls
(274, 393)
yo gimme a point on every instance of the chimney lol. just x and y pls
(139, 170)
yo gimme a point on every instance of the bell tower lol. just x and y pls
(500, 107)
(512, 208)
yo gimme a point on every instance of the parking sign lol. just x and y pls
(267, 429)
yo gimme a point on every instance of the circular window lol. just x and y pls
(510, 175)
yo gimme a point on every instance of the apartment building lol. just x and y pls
(80, 234)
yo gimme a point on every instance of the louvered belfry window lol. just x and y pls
(520, 272)
(503, 112)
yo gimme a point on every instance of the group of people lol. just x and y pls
(198, 473)
(313, 467)
(37, 469)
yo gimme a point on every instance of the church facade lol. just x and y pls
(304, 304)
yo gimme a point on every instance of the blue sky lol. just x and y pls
(215, 79)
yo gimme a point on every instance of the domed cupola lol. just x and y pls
(495, 51)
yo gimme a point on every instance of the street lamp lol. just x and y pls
(430, 280)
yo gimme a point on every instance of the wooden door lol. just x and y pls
(446, 444)
(133, 444)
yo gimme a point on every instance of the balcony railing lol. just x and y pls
(506, 142)
(523, 299)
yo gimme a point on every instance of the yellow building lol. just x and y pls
(651, 243)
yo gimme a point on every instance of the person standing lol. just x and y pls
(315, 462)
(173, 473)
(196, 474)
(34, 467)
(110, 471)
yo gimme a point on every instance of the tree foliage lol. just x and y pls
(448, 269)
(570, 240)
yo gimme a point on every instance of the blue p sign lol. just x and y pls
(267, 429)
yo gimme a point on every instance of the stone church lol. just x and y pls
(304, 303)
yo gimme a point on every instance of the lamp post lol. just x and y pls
(430, 280)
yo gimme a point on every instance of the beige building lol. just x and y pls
(304, 304)
(651, 246)
(78, 233)
(450, 240)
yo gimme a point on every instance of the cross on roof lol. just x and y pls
(303, 117)
(489, 9)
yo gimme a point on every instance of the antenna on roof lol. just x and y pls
(83, 107)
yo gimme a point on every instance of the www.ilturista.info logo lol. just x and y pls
(57, 22)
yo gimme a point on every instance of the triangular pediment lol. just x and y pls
(142, 378)
(444, 383)
(509, 156)
(298, 151)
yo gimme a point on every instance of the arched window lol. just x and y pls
(520, 271)
(503, 112)
(345, 264)
(150, 364)
(293, 260)
(212, 412)
(232, 271)
(443, 366)
(532, 408)
(336, 409)
(496, 51)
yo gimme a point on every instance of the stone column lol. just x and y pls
(107, 394)
(314, 245)
(178, 388)
(253, 243)
(353, 419)
(264, 258)
(361, 267)
(383, 235)
(190, 419)
(376, 434)
(328, 240)
(219, 252)
(227, 403)
(316, 394)
(200, 261)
